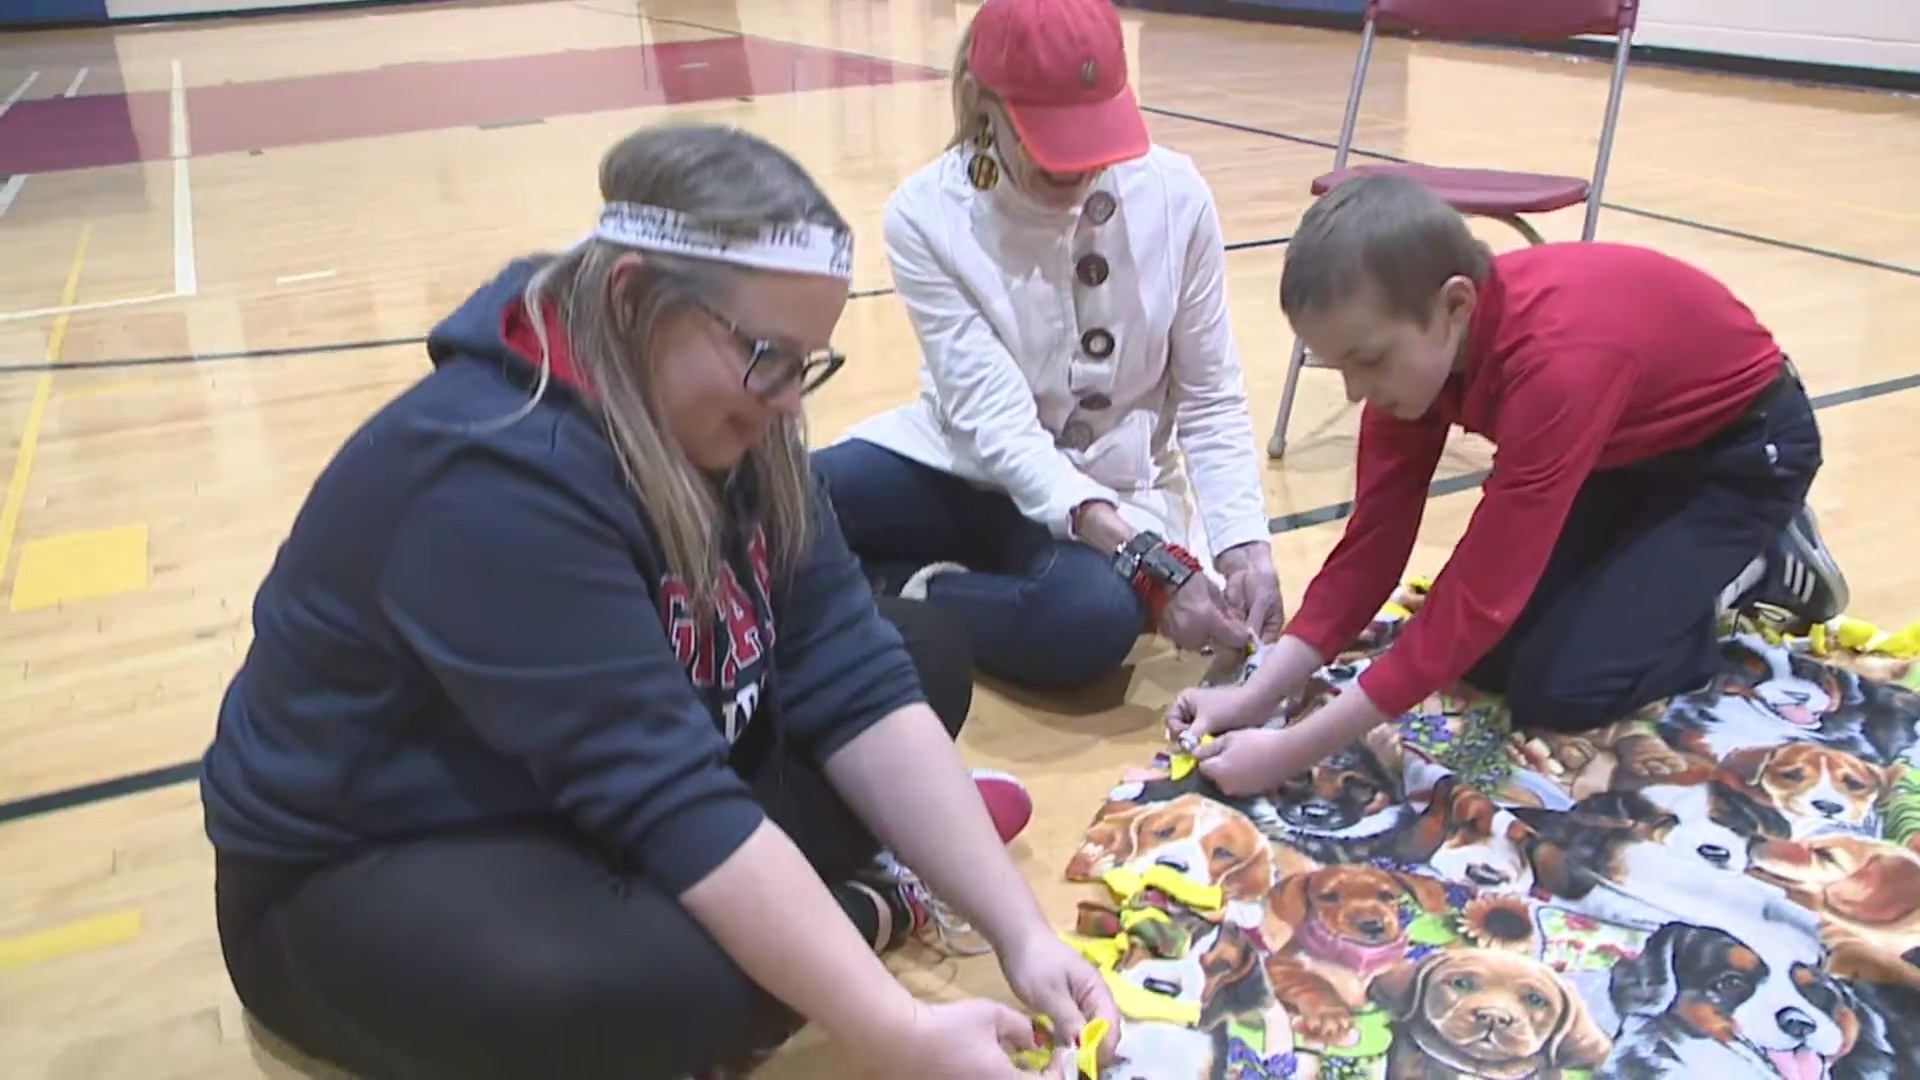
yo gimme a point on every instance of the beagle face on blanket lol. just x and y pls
(1699, 1001)
(1818, 789)
(1205, 841)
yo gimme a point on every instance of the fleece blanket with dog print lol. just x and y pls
(1726, 885)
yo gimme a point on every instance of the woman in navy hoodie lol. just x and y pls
(571, 742)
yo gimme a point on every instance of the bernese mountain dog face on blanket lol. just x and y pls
(1349, 808)
(1700, 1002)
(1766, 696)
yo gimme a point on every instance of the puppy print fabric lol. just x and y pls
(1726, 885)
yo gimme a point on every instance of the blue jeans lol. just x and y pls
(1041, 612)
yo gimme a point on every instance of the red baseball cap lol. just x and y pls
(1061, 68)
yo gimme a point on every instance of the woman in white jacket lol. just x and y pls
(1066, 279)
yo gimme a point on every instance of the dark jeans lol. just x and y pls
(1041, 612)
(1627, 610)
(521, 951)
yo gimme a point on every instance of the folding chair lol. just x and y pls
(1489, 193)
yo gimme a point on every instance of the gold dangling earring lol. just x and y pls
(983, 172)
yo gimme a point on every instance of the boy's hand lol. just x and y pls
(1253, 762)
(1213, 710)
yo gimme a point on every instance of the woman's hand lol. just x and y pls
(960, 1040)
(1253, 588)
(1214, 710)
(1056, 981)
(1197, 617)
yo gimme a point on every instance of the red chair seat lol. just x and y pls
(1486, 192)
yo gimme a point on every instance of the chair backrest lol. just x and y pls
(1538, 20)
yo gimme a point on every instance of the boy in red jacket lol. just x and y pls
(1653, 453)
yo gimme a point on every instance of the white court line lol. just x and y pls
(74, 309)
(19, 92)
(186, 273)
(11, 189)
(295, 279)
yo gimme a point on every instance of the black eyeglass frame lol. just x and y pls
(811, 370)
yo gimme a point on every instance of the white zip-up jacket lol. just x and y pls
(1060, 378)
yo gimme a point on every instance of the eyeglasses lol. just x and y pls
(772, 368)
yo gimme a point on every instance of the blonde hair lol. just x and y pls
(970, 99)
(724, 179)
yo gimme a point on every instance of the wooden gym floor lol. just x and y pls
(201, 295)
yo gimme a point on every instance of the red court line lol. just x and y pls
(92, 132)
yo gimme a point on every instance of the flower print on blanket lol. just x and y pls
(1726, 884)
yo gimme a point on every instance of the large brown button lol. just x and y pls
(1076, 435)
(1092, 270)
(1100, 207)
(1097, 343)
(1096, 402)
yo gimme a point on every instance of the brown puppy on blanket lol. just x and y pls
(1484, 1014)
(1330, 931)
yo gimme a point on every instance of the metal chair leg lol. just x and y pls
(1521, 225)
(1277, 442)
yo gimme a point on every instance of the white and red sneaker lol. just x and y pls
(1007, 802)
(928, 919)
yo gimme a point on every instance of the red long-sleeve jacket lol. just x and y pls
(1581, 356)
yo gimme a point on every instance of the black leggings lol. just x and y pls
(520, 952)
(1625, 612)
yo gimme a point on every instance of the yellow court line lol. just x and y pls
(37, 412)
(84, 935)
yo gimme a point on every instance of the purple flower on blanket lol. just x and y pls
(1427, 730)
(1246, 1063)
(1471, 742)
(1400, 866)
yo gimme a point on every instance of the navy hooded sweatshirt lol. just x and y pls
(470, 623)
